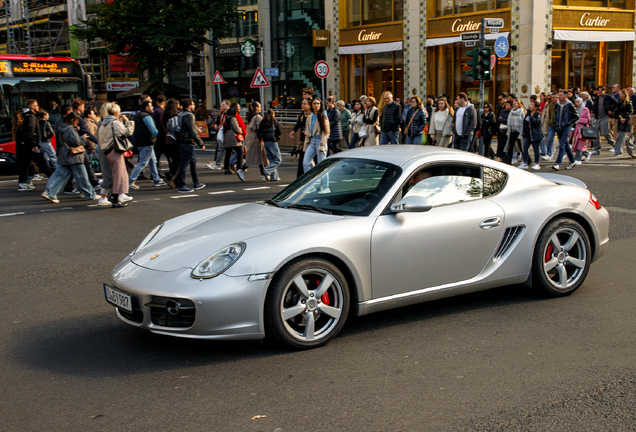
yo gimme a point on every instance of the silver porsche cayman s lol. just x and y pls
(366, 230)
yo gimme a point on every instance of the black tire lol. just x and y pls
(562, 258)
(285, 296)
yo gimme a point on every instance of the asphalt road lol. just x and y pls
(505, 359)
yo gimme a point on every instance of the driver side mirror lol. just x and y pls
(412, 204)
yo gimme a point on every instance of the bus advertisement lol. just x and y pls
(52, 81)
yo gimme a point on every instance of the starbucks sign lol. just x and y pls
(248, 49)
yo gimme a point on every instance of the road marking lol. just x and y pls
(258, 188)
(221, 192)
(183, 196)
(56, 209)
(283, 185)
(7, 181)
(144, 200)
(11, 214)
(620, 210)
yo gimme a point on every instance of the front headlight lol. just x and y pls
(218, 262)
(148, 238)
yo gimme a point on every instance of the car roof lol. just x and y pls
(402, 154)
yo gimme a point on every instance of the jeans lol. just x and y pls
(549, 144)
(219, 155)
(620, 140)
(146, 154)
(564, 145)
(187, 158)
(49, 153)
(346, 135)
(274, 157)
(415, 139)
(603, 127)
(63, 174)
(312, 150)
(389, 137)
(462, 142)
(354, 140)
(526, 147)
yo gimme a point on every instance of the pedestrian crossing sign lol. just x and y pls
(218, 79)
(259, 79)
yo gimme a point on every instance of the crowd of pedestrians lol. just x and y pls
(89, 139)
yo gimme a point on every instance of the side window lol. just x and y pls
(494, 181)
(446, 184)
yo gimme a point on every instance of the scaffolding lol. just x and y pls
(34, 27)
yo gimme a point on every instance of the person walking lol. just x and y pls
(514, 131)
(186, 138)
(603, 110)
(160, 142)
(219, 155)
(345, 117)
(531, 136)
(623, 114)
(357, 123)
(171, 148)
(565, 118)
(488, 128)
(68, 162)
(305, 106)
(27, 136)
(46, 134)
(335, 125)
(79, 107)
(115, 126)
(254, 154)
(502, 129)
(370, 120)
(231, 143)
(390, 116)
(104, 165)
(440, 126)
(317, 133)
(269, 133)
(145, 136)
(579, 145)
(415, 121)
(464, 123)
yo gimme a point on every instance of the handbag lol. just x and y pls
(376, 128)
(121, 144)
(589, 133)
(240, 137)
(363, 132)
(75, 151)
(128, 153)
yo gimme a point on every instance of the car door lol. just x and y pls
(452, 242)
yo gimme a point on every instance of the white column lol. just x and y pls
(332, 84)
(265, 37)
(412, 48)
(530, 59)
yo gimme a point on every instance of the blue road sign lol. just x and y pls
(272, 72)
(502, 46)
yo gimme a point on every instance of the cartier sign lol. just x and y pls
(592, 20)
(459, 27)
(320, 38)
(372, 34)
(452, 26)
(586, 21)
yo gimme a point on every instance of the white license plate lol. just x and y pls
(117, 298)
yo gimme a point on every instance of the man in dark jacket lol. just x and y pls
(464, 123)
(145, 135)
(333, 114)
(390, 120)
(186, 138)
(603, 112)
(79, 107)
(565, 118)
(27, 147)
(157, 115)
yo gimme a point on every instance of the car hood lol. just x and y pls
(188, 246)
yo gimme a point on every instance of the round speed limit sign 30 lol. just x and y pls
(321, 69)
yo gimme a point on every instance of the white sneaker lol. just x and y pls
(123, 198)
(514, 161)
(570, 166)
(536, 167)
(103, 202)
(589, 156)
(578, 162)
(523, 166)
(545, 158)
(555, 167)
(611, 150)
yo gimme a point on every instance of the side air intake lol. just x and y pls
(510, 238)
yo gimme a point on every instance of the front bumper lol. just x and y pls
(224, 307)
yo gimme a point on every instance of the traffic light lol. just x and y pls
(484, 63)
(474, 64)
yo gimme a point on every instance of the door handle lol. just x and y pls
(490, 223)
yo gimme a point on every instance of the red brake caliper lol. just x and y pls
(325, 297)
(548, 252)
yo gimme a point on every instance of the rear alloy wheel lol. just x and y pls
(307, 304)
(562, 257)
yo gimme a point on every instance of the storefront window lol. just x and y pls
(615, 63)
(621, 4)
(372, 74)
(366, 12)
(450, 7)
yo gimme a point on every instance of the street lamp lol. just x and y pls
(190, 61)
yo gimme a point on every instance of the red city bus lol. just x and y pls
(52, 81)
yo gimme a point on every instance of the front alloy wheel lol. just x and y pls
(562, 257)
(307, 303)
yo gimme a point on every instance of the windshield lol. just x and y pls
(51, 93)
(341, 186)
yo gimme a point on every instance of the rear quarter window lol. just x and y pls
(494, 181)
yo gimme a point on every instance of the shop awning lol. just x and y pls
(594, 36)
(450, 40)
(371, 48)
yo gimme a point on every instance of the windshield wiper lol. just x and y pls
(309, 207)
(274, 203)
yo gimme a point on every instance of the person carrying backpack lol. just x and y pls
(186, 135)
